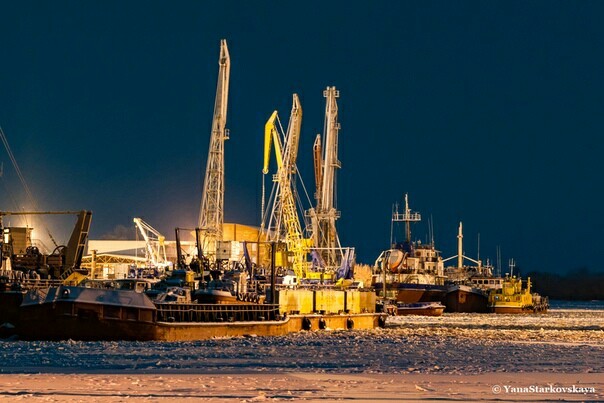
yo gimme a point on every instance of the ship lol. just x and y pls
(92, 314)
(410, 271)
(472, 296)
(178, 309)
(26, 265)
(515, 297)
(468, 286)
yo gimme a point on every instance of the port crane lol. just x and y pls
(155, 248)
(211, 214)
(324, 215)
(284, 223)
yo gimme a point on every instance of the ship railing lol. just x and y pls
(201, 313)
(29, 284)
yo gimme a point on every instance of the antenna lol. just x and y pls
(394, 211)
(432, 229)
(478, 253)
(498, 260)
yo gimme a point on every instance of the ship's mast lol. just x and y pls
(211, 213)
(407, 217)
(460, 246)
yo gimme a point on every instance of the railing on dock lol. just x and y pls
(169, 312)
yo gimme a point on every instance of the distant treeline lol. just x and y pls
(579, 284)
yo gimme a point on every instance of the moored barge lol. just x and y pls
(79, 313)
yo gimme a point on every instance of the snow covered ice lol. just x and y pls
(560, 341)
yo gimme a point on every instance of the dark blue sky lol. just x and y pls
(484, 112)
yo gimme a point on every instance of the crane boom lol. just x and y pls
(284, 207)
(271, 135)
(318, 164)
(154, 244)
(331, 129)
(211, 213)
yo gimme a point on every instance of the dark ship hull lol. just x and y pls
(462, 298)
(407, 293)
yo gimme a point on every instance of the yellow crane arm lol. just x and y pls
(271, 135)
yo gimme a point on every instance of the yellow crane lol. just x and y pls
(285, 223)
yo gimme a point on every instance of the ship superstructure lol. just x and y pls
(409, 271)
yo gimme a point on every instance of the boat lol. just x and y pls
(515, 297)
(25, 265)
(410, 271)
(420, 308)
(13, 287)
(81, 313)
(466, 299)
(224, 288)
(471, 295)
(468, 287)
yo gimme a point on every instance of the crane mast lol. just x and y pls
(318, 164)
(324, 215)
(211, 214)
(284, 221)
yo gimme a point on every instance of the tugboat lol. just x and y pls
(513, 298)
(412, 272)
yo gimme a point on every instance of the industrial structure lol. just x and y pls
(155, 245)
(211, 214)
(323, 216)
(17, 252)
(284, 223)
(314, 250)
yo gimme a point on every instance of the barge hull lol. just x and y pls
(190, 331)
(93, 314)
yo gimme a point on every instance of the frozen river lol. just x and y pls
(562, 341)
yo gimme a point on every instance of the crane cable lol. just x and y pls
(22, 179)
(9, 193)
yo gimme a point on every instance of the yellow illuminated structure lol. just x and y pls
(284, 223)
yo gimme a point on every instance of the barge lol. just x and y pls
(79, 313)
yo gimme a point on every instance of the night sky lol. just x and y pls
(485, 112)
